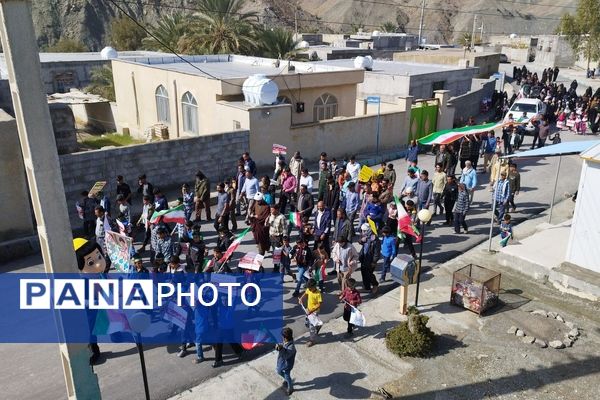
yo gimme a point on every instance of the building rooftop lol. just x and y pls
(226, 66)
(82, 57)
(76, 97)
(395, 67)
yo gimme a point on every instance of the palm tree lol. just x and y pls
(278, 43)
(220, 26)
(101, 83)
(169, 30)
(465, 40)
(388, 27)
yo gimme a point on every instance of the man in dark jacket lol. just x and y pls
(305, 203)
(450, 195)
(331, 198)
(370, 253)
(202, 196)
(322, 226)
(343, 228)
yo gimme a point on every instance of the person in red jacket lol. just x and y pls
(351, 297)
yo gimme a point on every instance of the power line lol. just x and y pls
(321, 21)
(535, 5)
(455, 11)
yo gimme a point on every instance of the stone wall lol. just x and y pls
(63, 124)
(166, 164)
(468, 104)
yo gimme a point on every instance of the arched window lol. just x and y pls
(326, 107)
(162, 105)
(189, 110)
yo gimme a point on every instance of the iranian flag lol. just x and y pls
(175, 214)
(110, 321)
(450, 135)
(234, 245)
(253, 339)
(294, 219)
(405, 223)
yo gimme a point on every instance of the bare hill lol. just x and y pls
(444, 20)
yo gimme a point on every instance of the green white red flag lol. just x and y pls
(295, 219)
(253, 339)
(109, 322)
(174, 214)
(234, 245)
(405, 223)
(447, 136)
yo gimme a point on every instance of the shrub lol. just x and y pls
(411, 338)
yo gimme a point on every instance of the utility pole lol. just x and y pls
(473, 32)
(296, 23)
(42, 166)
(481, 32)
(421, 23)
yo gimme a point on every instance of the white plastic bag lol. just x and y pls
(357, 318)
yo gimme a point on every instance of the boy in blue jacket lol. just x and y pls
(286, 359)
(388, 251)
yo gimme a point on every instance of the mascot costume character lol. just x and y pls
(90, 260)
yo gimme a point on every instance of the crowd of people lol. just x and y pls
(565, 108)
(320, 229)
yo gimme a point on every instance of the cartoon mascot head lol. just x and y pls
(90, 259)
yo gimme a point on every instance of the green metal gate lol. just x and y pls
(423, 119)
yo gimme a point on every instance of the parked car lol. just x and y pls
(504, 59)
(524, 111)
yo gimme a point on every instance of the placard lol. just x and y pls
(279, 149)
(98, 186)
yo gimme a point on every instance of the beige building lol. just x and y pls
(313, 107)
(205, 95)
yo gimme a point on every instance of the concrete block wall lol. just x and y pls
(166, 164)
(469, 104)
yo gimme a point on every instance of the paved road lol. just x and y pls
(33, 371)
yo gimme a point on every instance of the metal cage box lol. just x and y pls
(475, 288)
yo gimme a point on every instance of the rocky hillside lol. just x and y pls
(445, 20)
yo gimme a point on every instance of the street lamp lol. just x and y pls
(424, 216)
(139, 322)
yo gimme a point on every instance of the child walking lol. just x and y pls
(313, 305)
(286, 260)
(388, 251)
(286, 358)
(505, 230)
(351, 298)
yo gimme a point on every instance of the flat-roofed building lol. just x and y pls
(203, 94)
(393, 79)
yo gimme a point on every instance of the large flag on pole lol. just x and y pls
(174, 214)
(234, 245)
(405, 223)
(447, 136)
